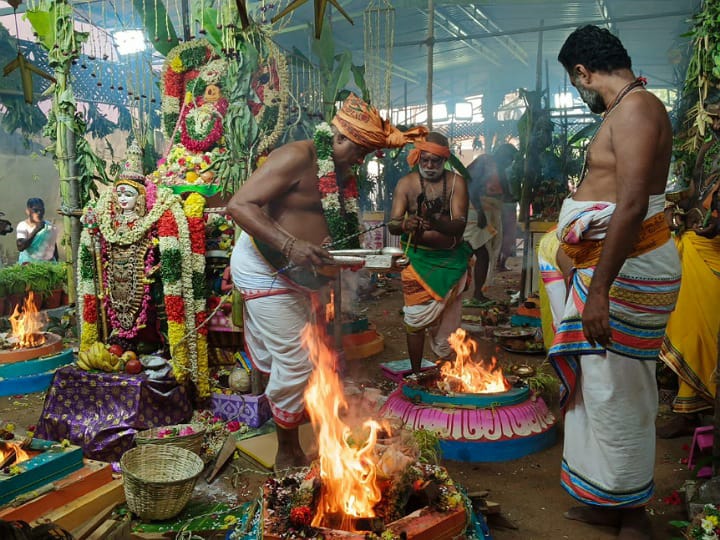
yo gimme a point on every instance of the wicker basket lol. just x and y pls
(159, 479)
(188, 442)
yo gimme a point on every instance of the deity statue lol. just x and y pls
(140, 248)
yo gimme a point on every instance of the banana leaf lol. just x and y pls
(158, 25)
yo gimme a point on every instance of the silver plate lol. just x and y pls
(348, 261)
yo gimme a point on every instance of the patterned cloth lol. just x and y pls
(432, 285)
(102, 412)
(610, 395)
(690, 347)
(362, 124)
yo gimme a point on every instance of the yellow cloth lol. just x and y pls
(690, 347)
(362, 124)
(654, 233)
(547, 261)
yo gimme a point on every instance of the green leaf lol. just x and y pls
(324, 49)
(679, 524)
(209, 24)
(158, 26)
(43, 23)
(359, 78)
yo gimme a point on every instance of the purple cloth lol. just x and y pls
(101, 412)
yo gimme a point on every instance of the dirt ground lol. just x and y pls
(527, 489)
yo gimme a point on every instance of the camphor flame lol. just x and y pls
(27, 326)
(466, 375)
(347, 468)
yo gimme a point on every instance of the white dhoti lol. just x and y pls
(275, 314)
(611, 393)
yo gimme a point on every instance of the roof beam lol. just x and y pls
(545, 28)
(486, 23)
(454, 30)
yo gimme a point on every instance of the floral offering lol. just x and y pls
(706, 525)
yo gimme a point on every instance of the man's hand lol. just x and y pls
(596, 318)
(308, 254)
(710, 230)
(414, 224)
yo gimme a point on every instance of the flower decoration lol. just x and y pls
(705, 525)
(340, 207)
(180, 242)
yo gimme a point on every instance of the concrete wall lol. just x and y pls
(25, 173)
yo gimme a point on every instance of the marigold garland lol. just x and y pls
(167, 223)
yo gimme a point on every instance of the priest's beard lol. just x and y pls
(592, 99)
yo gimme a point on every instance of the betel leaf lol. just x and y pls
(158, 26)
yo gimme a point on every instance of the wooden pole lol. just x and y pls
(529, 171)
(431, 46)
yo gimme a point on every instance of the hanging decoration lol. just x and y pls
(320, 7)
(378, 40)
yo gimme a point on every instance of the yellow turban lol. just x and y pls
(361, 123)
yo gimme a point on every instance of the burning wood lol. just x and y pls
(330, 308)
(27, 325)
(465, 374)
(12, 453)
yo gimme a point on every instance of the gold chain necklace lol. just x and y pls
(620, 95)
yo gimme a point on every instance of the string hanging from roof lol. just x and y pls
(379, 37)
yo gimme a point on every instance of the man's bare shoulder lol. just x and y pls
(408, 181)
(297, 151)
(646, 104)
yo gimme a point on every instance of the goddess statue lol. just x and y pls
(138, 249)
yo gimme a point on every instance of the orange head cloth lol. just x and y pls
(361, 123)
(425, 146)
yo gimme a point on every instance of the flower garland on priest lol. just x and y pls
(178, 235)
(340, 207)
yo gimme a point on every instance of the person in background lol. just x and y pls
(302, 200)
(36, 237)
(486, 217)
(429, 210)
(690, 347)
(621, 275)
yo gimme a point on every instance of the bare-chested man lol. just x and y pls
(624, 275)
(430, 209)
(277, 265)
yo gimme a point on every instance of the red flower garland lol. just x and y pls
(200, 318)
(167, 225)
(215, 134)
(197, 235)
(90, 312)
(328, 184)
(175, 308)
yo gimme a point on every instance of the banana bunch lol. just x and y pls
(99, 357)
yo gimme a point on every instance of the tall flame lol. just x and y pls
(27, 325)
(464, 374)
(347, 468)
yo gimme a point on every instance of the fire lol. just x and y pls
(347, 467)
(330, 308)
(466, 375)
(27, 326)
(12, 453)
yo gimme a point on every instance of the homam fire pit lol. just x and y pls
(27, 464)
(28, 355)
(475, 412)
(366, 481)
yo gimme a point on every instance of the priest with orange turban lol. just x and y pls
(429, 210)
(300, 201)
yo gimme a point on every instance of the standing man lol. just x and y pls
(623, 276)
(302, 198)
(36, 237)
(429, 210)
